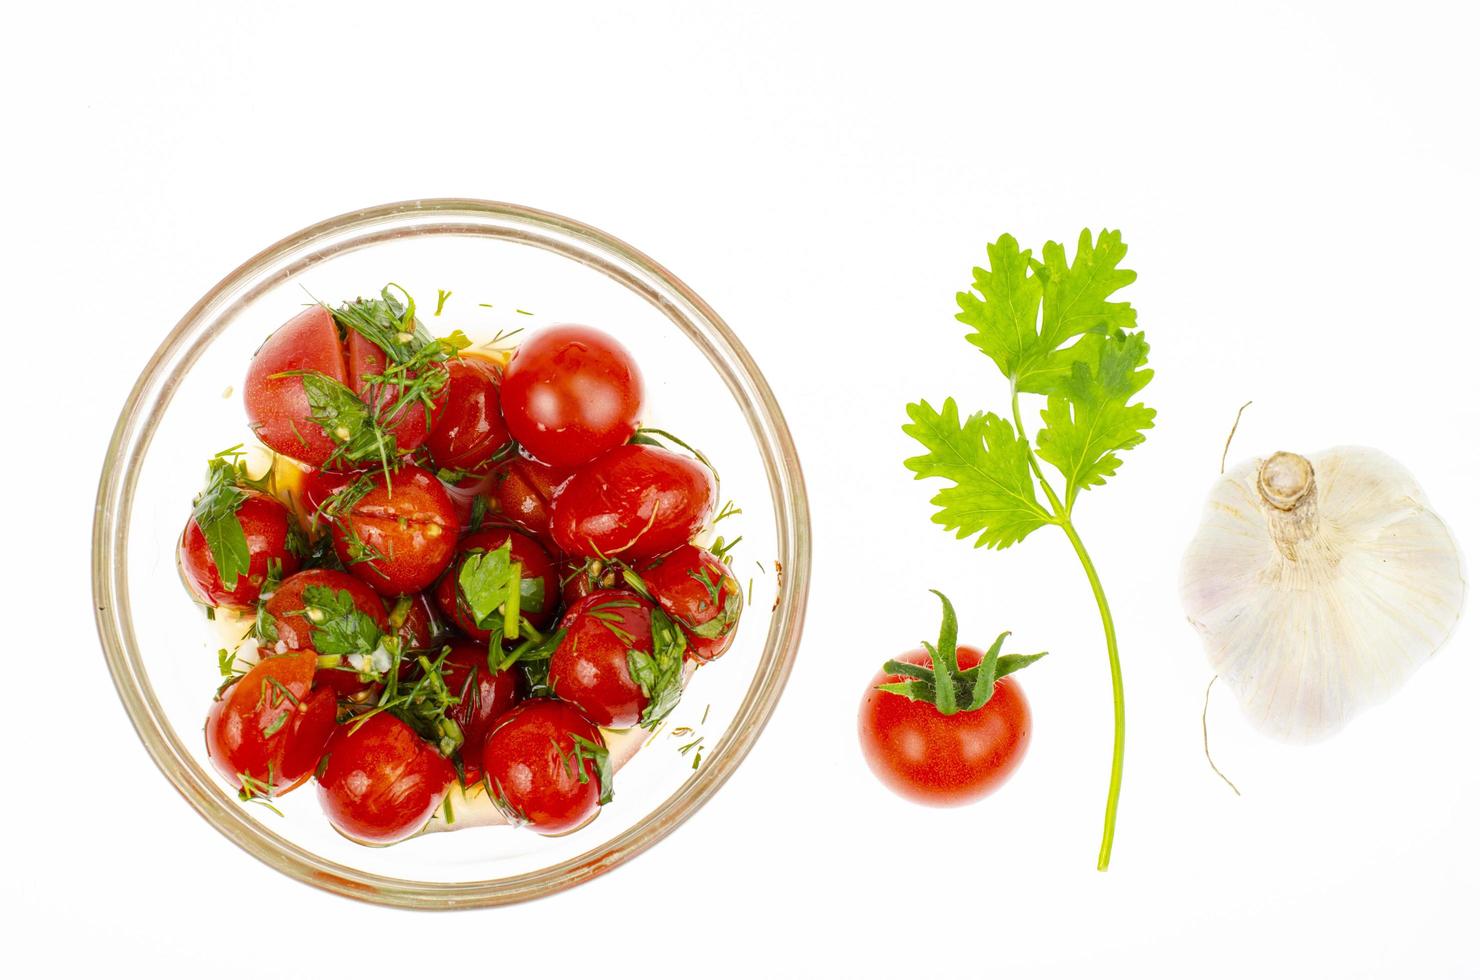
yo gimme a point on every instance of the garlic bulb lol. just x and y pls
(1319, 585)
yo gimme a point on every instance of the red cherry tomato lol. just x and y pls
(266, 732)
(266, 523)
(534, 562)
(635, 502)
(422, 627)
(943, 760)
(408, 422)
(539, 773)
(296, 632)
(522, 490)
(482, 696)
(382, 782)
(571, 393)
(398, 540)
(697, 590)
(470, 428)
(589, 667)
(277, 406)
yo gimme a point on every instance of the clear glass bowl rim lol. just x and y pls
(150, 398)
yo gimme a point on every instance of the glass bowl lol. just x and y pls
(498, 261)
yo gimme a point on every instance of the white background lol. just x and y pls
(1297, 186)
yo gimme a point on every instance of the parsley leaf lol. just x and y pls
(1089, 420)
(484, 583)
(339, 626)
(987, 462)
(215, 514)
(1005, 306)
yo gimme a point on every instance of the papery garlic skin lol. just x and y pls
(1319, 590)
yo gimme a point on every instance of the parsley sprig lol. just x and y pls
(215, 513)
(1052, 330)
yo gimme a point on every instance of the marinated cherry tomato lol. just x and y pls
(571, 393)
(266, 733)
(420, 626)
(398, 539)
(382, 782)
(292, 617)
(522, 490)
(695, 588)
(546, 765)
(635, 502)
(266, 524)
(315, 488)
(535, 565)
(945, 749)
(404, 417)
(590, 666)
(482, 697)
(276, 402)
(470, 429)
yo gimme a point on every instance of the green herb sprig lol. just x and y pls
(1052, 330)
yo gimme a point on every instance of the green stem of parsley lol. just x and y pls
(1117, 685)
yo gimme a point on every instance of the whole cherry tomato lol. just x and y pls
(522, 490)
(382, 782)
(591, 666)
(546, 764)
(482, 696)
(535, 566)
(695, 588)
(298, 623)
(571, 393)
(939, 759)
(633, 503)
(470, 429)
(267, 526)
(421, 626)
(266, 732)
(398, 539)
(404, 418)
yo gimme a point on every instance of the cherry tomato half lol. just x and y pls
(398, 539)
(635, 502)
(943, 760)
(266, 732)
(571, 393)
(697, 590)
(589, 668)
(537, 770)
(382, 782)
(266, 523)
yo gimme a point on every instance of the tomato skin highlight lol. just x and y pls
(277, 407)
(266, 523)
(635, 502)
(483, 698)
(382, 782)
(535, 563)
(589, 667)
(674, 581)
(470, 428)
(267, 727)
(570, 394)
(410, 528)
(528, 760)
(943, 760)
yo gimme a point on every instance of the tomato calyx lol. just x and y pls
(944, 683)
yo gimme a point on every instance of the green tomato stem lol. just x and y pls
(1117, 685)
